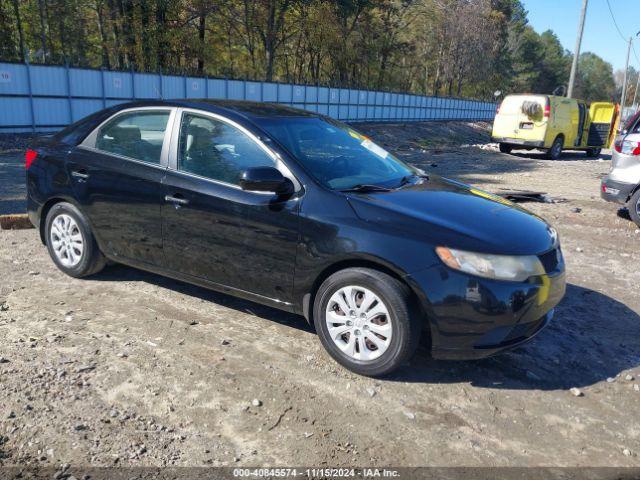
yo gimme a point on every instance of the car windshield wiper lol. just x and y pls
(407, 178)
(365, 187)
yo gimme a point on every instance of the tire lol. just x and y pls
(65, 225)
(633, 205)
(504, 148)
(593, 152)
(397, 333)
(555, 151)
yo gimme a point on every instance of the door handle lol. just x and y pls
(176, 200)
(79, 174)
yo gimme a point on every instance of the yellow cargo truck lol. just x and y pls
(552, 123)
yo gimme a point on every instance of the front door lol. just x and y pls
(212, 228)
(117, 173)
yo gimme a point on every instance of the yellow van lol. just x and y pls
(552, 123)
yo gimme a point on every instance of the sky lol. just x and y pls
(600, 34)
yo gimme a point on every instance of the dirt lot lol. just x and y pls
(129, 368)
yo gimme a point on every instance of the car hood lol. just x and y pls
(445, 212)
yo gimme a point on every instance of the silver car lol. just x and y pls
(622, 185)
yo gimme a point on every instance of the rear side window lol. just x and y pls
(633, 124)
(76, 132)
(214, 149)
(137, 135)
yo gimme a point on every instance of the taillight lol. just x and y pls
(547, 109)
(29, 157)
(627, 147)
(617, 146)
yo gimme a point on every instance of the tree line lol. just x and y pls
(469, 48)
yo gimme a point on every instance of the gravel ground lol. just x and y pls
(132, 369)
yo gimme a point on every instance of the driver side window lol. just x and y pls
(214, 149)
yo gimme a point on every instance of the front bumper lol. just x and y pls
(616, 192)
(519, 142)
(472, 317)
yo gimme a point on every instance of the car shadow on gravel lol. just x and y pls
(592, 338)
(565, 157)
(119, 273)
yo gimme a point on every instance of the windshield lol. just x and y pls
(335, 154)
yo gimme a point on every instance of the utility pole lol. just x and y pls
(626, 77)
(635, 94)
(576, 54)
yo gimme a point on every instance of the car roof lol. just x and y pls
(247, 109)
(238, 110)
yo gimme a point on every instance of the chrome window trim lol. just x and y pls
(89, 143)
(175, 138)
(159, 166)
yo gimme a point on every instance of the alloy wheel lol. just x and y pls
(66, 240)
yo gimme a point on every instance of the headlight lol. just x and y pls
(498, 267)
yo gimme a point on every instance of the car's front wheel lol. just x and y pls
(366, 321)
(70, 242)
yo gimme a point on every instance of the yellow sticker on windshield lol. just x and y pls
(372, 147)
(355, 135)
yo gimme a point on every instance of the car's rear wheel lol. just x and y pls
(70, 242)
(633, 205)
(505, 148)
(366, 321)
(556, 148)
(593, 152)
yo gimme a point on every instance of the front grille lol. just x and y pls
(551, 260)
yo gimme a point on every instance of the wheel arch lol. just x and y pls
(309, 297)
(44, 211)
(47, 206)
(632, 193)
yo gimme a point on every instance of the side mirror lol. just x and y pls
(266, 179)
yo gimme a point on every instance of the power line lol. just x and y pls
(622, 36)
(616, 23)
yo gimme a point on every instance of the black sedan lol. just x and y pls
(303, 213)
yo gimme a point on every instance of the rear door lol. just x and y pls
(212, 228)
(601, 115)
(116, 173)
(625, 162)
(521, 117)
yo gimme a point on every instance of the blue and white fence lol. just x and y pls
(41, 98)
